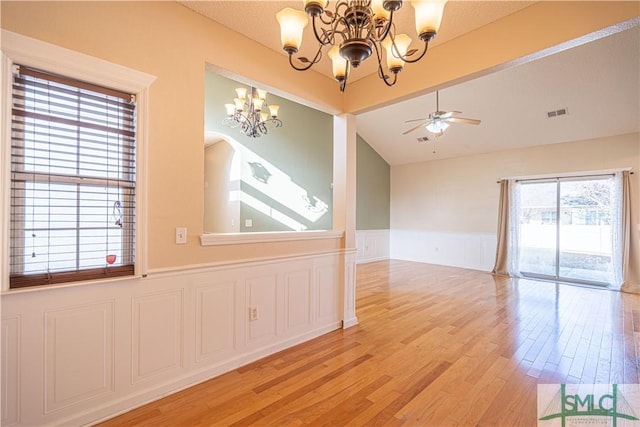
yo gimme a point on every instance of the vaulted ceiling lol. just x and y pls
(597, 83)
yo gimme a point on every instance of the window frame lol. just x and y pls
(19, 49)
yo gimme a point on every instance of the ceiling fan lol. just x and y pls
(438, 121)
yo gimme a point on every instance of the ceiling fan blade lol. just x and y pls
(463, 120)
(449, 114)
(413, 128)
(416, 120)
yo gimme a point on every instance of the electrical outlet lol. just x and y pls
(253, 313)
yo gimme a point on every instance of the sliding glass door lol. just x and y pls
(565, 228)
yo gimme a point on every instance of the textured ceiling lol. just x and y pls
(257, 21)
(598, 82)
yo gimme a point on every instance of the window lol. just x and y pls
(73, 180)
(580, 245)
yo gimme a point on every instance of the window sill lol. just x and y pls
(54, 287)
(216, 239)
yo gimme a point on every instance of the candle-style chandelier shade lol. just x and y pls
(251, 112)
(355, 30)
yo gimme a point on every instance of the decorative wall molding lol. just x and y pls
(11, 372)
(216, 314)
(475, 251)
(213, 239)
(109, 347)
(372, 245)
(79, 347)
(157, 334)
(349, 318)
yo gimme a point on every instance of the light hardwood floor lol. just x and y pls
(434, 346)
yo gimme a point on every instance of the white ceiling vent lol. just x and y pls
(556, 113)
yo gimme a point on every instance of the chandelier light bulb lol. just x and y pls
(292, 23)
(395, 55)
(428, 15)
(379, 12)
(231, 109)
(262, 94)
(257, 103)
(273, 110)
(339, 63)
(242, 93)
(239, 104)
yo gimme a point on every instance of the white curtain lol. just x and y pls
(621, 230)
(513, 234)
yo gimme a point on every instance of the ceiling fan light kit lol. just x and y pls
(439, 121)
(357, 29)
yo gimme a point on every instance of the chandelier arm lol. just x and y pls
(387, 29)
(315, 60)
(276, 122)
(343, 85)
(340, 4)
(381, 74)
(388, 81)
(327, 37)
(231, 122)
(406, 58)
(326, 21)
(343, 82)
(245, 128)
(345, 34)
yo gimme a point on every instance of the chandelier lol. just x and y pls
(250, 112)
(356, 29)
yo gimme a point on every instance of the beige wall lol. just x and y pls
(461, 195)
(174, 43)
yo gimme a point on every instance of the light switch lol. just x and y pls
(181, 235)
(248, 223)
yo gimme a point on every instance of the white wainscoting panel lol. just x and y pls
(215, 320)
(157, 334)
(262, 295)
(10, 364)
(75, 355)
(349, 293)
(329, 298)
(372, 245)
(298, 302)
(475, 251)
(79, 346)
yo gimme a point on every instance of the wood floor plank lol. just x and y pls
(434, 346)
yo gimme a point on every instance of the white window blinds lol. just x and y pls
(72, 180)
